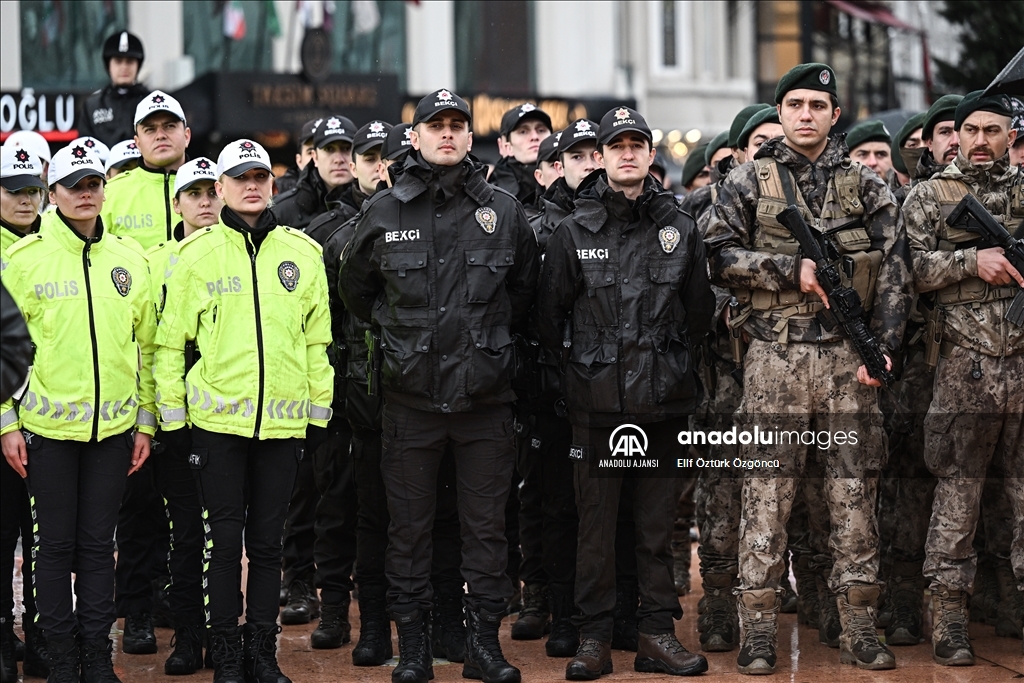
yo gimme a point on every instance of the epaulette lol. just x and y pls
(298, 233)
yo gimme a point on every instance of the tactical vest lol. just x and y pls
(841, 219)
(972, 290)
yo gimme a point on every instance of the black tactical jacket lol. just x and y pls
(444, 265)
(555, 205)
(109, 114)
(299, 206)
(517, 179)
(633, 280)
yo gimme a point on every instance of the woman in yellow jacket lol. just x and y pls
(85, 420)
(252, 296)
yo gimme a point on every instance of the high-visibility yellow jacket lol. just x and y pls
(138, 205)
(88, 308)
(8, 236)
(261, 321)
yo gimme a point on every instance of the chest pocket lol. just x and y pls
(406, 277)
(666, 276)
(600, 306)
(485, 273)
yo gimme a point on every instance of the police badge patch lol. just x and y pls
(669, 238)
(487, 219)
(288, 272)
(122, 280)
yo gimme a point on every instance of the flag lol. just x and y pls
(234, 21)
(273, 23)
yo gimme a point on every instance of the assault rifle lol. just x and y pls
(845, 306)
(970, 215)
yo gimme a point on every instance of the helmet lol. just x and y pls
(123, 44)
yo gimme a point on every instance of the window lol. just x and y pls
(494, 47)
(671, 40)
(62, 42)
(668, 33)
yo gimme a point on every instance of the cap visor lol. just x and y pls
(398, 153)
(20, 182)
(439, 110)
(190, 183)
(574, 143)
(365, 147)
(73, 178)
(238, 170)
(161, 111)
(536, 114)
(626, 129)
(334, 138)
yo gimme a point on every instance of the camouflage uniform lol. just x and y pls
(977, 410)
(804, 371)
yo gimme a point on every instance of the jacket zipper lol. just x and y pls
(167, 206)
(86, 264)
(259, 334)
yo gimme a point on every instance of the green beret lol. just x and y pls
(972, 102)
(943, 109)
(718, 142)
(912, 124)
(741, 120)
(694, 164)
(813, 76)
(867, 131)
(770, 115)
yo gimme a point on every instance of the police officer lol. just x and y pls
(939, 136)
(523, 128)
(302, 157)
(975, 417)
(139, 201)
(140, 205)
(696, 202)
(21, 195)
(86, 419)
(696, 173)
(325, 182)
(778, 293)
(107, 113)
(870, 144)
(626, 273)
(445, 266)
(250, 405)
(124, 156)
(196, 201)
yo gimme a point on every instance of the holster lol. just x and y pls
(375, 360)
(932, 331)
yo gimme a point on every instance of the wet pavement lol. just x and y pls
(802, 659)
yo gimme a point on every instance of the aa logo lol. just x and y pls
(629, 441)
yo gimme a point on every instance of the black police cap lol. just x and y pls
(437, 102)
(123, 44)
(549, 148)
(308, 128)
(523, 112)
(580, 130)
(620, 120)
(398, 143)
(333, 129)
(371, 135)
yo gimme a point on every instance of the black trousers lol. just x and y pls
(15, 522)
(414, 442)
(334, 550)
(76, 490)
(177, 486)
(654, 510)
(142, 542)
(300, 527)
(548, 523)
(244, 486)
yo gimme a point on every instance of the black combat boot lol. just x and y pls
(719, 625)
(9, 658)
(535, 618)
(415, 661)
(484, 659)
(448, 624)
(62, 659)
(226, 655)
(829, 626)
(564, 640)
(187, 656)
(374, 646)
(138, 638)
(260, 654)
(303, 605)
(906, 592)
(334, 629)
(35, 652)
(97, 661)
(625, 634)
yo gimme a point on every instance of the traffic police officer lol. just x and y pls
(21, 196)
(445, 266)
(626, 272)
(250, 405)
(756, 257)
(87, 415)
(124, 156)
(196, 201)
(107, 113)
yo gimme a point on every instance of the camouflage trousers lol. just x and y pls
(976, 419)
(905, 490)
(806, 388)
